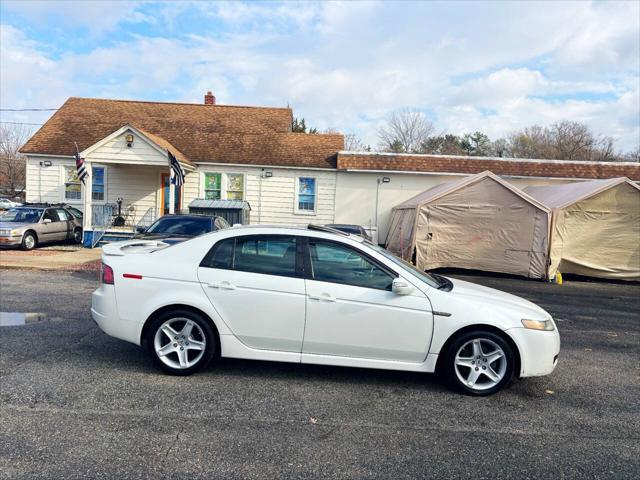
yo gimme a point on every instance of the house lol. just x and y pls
(247, 153)
(227, 152)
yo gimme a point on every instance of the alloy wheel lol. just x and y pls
(29, 242)
(480, 364)
(179, 343)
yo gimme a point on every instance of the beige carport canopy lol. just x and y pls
(595, 227)
(479, 222)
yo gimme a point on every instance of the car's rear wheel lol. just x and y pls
(479, 362)
(77, 235)
(181, 342)
(29, 241)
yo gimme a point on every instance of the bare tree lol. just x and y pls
(565, 140)
(12, 163)
(353, 143)
(405, 131)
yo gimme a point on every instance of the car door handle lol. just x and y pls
(223, 285)
(324, 297)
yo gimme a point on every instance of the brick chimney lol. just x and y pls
(209, 99)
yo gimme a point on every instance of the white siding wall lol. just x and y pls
(356, 194)
(116, 150)
(137, 185)
(277, 202)
(46, 184)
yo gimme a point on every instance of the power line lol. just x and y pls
(28, 109)
(21, 123)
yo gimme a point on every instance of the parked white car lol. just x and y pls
(311, 295)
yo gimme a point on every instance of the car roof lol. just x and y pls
(311, 230)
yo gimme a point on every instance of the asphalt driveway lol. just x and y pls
(75, 403)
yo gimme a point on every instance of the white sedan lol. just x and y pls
(315, 295)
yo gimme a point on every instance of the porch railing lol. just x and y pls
(101, 218)
(147, 219)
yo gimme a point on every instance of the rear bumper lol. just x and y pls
(104, 312)
(539, 350)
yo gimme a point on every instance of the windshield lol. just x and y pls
(189, 226)
(424, 276)
(22, 215)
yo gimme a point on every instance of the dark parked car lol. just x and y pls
(178, 228)
(350, 229)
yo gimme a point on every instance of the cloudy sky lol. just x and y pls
(488, 66)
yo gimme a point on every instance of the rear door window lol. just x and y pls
(266, 254)
(271, 255)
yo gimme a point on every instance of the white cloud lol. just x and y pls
(492, 67)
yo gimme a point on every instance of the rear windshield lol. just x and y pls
(23, 215)
(182, 226)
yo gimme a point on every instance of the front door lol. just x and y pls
(254, 284)
(166, 178)
(352, 312)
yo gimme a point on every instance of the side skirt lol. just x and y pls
(231, 347)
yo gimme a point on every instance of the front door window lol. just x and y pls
(166, 178)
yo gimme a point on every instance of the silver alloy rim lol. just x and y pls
(179, 343)
(480, 364)
(29, 241)
(77, 236)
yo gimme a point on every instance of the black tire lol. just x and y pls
(205, 332)
(29, 240)
(77, 236)
(482, 387)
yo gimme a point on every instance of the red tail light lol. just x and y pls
(107, 274)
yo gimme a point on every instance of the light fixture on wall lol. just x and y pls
(378, 182)
(129, 139)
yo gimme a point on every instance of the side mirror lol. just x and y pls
(401, 287)
(141, 229)
(46, 220)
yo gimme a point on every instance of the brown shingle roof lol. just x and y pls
(215, 133)
(499, 166)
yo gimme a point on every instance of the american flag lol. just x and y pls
(178, 174)
(81, 168)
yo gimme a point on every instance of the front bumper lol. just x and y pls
(539, 350)
(10, 240)
(104, 312)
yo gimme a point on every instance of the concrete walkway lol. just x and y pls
(51, 259)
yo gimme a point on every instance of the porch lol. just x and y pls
(122, 198)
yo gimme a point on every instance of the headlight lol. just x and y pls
(538, 324)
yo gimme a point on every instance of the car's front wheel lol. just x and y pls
(181, 342)
(29, 241)
(479, 362)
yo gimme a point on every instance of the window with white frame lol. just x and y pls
(72, 188)
(97, 184)
(213, 186)
(228, 186)
(306, 201)
(235, 186)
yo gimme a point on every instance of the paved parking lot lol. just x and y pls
(75, 403)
